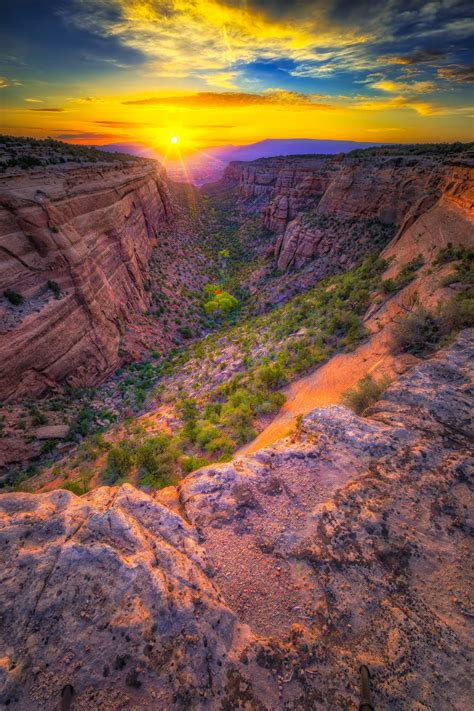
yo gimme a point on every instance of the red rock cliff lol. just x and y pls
(333, 208)
(90, 229)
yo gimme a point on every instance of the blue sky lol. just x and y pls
(401, 68)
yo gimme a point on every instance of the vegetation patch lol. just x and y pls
(365, 393)
(13, 297)
(152, 461)
(55, 288)
(422, 331)
(406, 274)
(217, 301)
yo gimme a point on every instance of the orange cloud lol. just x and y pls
(208, 99)
(395, 86)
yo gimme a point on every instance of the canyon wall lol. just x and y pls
(75, 243)
(335, 208)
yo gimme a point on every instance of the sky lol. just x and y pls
(219, 72)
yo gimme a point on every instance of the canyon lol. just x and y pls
(287, 539)
(90, 231)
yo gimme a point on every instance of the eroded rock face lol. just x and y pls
(89, 230)
(262, 583)
(112, 594)
(370, 198)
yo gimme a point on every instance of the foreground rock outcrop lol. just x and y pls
(265, 582)
(75, 244)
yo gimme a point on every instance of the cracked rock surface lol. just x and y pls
(265, 582)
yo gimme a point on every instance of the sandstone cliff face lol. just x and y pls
(333, 209)
(91, 230)
(286, 183)
(262, 583)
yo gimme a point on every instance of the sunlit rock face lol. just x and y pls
(90, 230)
(333, 209)
(112, 594)
(265, 582)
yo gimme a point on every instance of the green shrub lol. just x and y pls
(236, 416)
(95, 445)
(185, 332)
(55, 288)
(85, 420)
(13, 297)
(457, 313)
(205, 432)
(389, 286)
(220, 444)
(365, 393)
(404, 277)
(188, 410)
(272, 376)
(48, 446)
(416, 333)
(192, 462)
(37, 417)
(218, 301)
(464, 270)
(157, 457)
(77, 487)
(448, 254)
(119, 463)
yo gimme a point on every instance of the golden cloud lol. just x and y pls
(422, 108)
(123, 124)
(213, 99)
(181, 38)
(397, 87)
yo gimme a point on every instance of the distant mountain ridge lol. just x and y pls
(208, 165)
(271, 147)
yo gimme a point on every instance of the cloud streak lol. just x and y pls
(461, 74)
(48, 109)
(212, 99)
(218, 36)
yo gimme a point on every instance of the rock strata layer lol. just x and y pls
(74, 244)
(265, 582)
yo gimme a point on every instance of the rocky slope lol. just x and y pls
(329, 210)
(447, 222)
(265, 582)
(75, 244)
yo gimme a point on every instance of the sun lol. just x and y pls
(174, 139)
